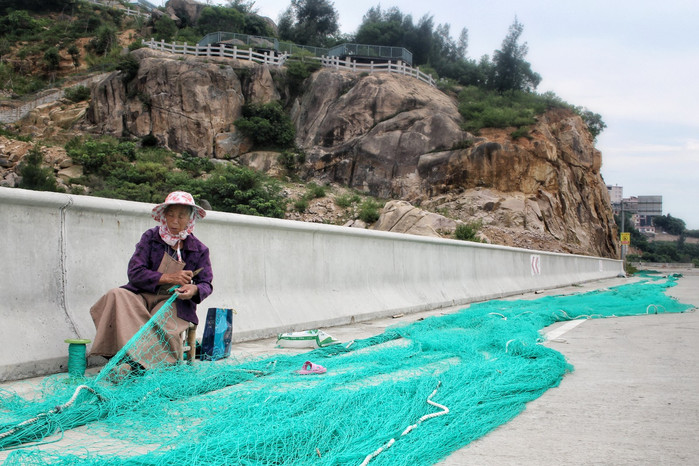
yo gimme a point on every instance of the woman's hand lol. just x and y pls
(187, 291)
(183, 277)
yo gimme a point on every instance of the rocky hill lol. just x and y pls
(382, 134)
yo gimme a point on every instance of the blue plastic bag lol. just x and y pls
(218, 329)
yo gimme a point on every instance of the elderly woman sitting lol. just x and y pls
(167, 255)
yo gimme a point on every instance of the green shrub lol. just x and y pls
(347, 200)
(194, 165)
(164, 28)
(52, 59)
(5, 131)
(267, 125)
(135, 45)
(301, 204)
(314, 191)
(104, 156)
(468, 231)
(521, 132)
(77, 93)
(297, 72)
(369, 211)
(104, 41)
(291, 160)
(482, 108)
(241, 190)
(34, 176)
(74, 53)
(128, 65)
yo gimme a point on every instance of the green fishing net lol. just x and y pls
(411, 395)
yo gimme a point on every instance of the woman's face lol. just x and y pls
(177, 218)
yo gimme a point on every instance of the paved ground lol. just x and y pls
(632, 399)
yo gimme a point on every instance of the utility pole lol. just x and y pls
(623, 221)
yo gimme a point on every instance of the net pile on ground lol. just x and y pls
(411, 395)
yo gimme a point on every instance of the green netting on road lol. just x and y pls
(412, 395)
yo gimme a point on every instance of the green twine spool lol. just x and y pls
(77, 359)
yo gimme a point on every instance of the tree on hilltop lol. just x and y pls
(670, 224)
(429, 44)
(511, 71)
(309, 22)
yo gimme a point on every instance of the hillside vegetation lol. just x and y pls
(47, 43)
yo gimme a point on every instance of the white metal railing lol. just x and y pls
(270, 58)
(119, 6)
(399, 67)
(267, 58)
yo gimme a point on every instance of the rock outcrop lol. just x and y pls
(188, 105)
(387, 135)
(402, 217)
(397, 137)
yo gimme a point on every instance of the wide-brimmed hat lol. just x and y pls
(181, 198)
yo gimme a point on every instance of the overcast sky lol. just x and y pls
(636, 63)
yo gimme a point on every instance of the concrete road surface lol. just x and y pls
(633, 398)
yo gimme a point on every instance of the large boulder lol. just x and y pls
(184, 11)
(185, 104)
(396, 137)
(402, 217)
(369, 132)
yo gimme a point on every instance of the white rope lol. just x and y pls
(656, 308)
(55, 410)
(388, 444)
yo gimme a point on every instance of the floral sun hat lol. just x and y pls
(181, 198)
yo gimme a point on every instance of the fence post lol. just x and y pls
(371, 66)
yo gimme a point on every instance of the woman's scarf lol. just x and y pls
(172, 240)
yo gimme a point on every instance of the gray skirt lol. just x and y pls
(119, 314)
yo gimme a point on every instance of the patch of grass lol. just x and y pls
(301, 204)
(347, 200)
(482, 108)
(314, 191)
(77, 93)
(369, 211)
(468, 231)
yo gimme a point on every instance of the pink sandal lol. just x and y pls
(310, 368)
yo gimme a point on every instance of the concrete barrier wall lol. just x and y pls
(62, 252)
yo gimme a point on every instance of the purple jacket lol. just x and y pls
(143, 266)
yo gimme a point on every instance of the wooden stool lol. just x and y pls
(189, 348)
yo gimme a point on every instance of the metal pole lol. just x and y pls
(623, 221)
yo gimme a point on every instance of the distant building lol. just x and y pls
(641, 208)
(616, 194)
(649, 207)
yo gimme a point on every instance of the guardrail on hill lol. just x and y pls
(118, 6)
(267, 58)
(271, 58)
(399, 67)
